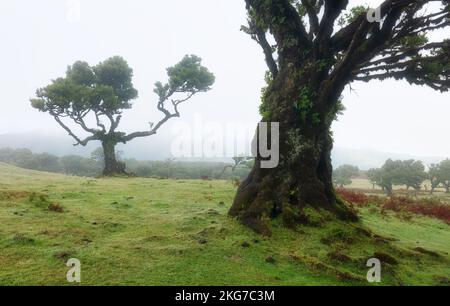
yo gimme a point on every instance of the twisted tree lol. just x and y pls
(343, 175)
(98, 95)
(320, 47)
(439, 175)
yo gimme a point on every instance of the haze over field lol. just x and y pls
(48, 35)
(61, 145)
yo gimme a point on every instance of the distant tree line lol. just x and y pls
(171, 168)
(93, 166)
(439, 175)
(412, 174)
(70, 164)
(343, 175)
(409, 173)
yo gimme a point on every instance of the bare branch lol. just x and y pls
(69, 131)
(285, 24)
(99, 123)
(167, 116)
(313, 19)
(268, 52)
(333, 9)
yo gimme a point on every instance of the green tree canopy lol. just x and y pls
(343, 175)
(95, 97)
(314, 49)
(439, 175)
(410, 173)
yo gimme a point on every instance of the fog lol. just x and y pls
(41, 38)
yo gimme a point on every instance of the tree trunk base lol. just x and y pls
(258, 201)
(113, 167)
(117, 169)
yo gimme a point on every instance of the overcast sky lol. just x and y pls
(40, 38)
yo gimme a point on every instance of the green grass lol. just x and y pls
(174, 232)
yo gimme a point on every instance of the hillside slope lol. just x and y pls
(176, 232)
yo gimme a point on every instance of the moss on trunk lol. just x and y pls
(304, 174)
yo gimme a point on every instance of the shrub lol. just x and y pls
(22, 239)
(430, 207)
(56, 208)
(433, 208)
(40, 200)
(353, 197)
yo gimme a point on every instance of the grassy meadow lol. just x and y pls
(135, 231)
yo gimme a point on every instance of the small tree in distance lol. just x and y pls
(241, 160)
(343, 175)
(444, 174)
(410, 173)
(374, 176)
(413, 174)
(439, 175)
(434, 177)
(100, 94)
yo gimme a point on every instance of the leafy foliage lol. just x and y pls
(190, 76)
(92, 167)
(410, 173)
(105, 89)
(102, 92)
(343, 175)
(439, 175)
(70, 165)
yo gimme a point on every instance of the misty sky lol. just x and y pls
(40, 38)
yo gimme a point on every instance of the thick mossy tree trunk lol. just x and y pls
(315, 56)
(304, 174)
(112, 165)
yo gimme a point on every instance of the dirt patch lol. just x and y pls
(8, 195)
(22, 239)
(442, 280)
(42, 201)
(245, 244)
(339, 257)
(55, 208)
(213, 212)
(63, 255)
(385, 258)
(338, 235)
(202, 241)
(426, 252)
(316, 264)
(271, 260)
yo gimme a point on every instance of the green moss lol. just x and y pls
(339, 235)
(292, 216)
